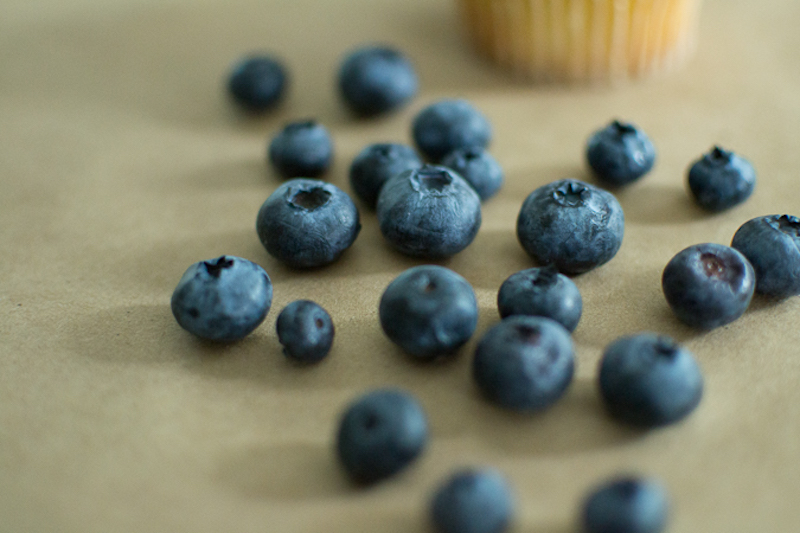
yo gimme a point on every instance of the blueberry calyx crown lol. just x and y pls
(715, 266)
(309, 199)
(528, 334)
(627, 488)
(215, 268)
(665, 347)
(430, 178)
(712, 265)
(788, 224)
(544, 276)
(386, 150)
(371, 421)
(301, 125)
(571, 194)
(471, 154)
(719, 156)
(623, 128)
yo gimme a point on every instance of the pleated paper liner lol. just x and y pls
(583, 40)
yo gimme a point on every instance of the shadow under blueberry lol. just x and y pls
(284, 472)
(243, 174)
(654, 205)
(576, 423)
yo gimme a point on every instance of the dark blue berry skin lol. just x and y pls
(626, 505)
(377, 80)
(649, 380)
(721, 179)
(541, 292)
(305, 330)
(257, 83)
(429, 212)
(429, 311)
(620, 153)
(708, 285)
(222, 299)
(380, 434)
(473, 501)
(772, 245)
(448, 125)
(572, 225)
(478, 168)
(301, 149)
(524, 363)
(376, 164)
(307, 223)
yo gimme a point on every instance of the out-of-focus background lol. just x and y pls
(122, 162)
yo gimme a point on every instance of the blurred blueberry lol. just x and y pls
(376, 164)
(377, 79)
(301, 149)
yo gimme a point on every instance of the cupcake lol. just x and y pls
(583, 40)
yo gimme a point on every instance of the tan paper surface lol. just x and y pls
(122, 163)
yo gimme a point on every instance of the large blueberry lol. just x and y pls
(478, 168)
(376, 79)
(222, 299)
(649, 380)
(708, 285)
(430, 212)
(572, 225)
(301, 149)
(307, 223)
(473, 501)
(376, 164)
(626, 504)
(305, 330)
(772, 245)
(257, 83)
(380, 434)
(620, 153)
(448, 125)
(429, 311)
(721, 179)
(524, 363)
(541, 292)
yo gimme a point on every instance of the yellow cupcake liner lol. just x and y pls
(583, 40)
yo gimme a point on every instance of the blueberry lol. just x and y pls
(429, 311)
(448, 125)
(772, 245)
(301, 149)
(375, 80)
(375, 164)
(429, 212)
(305, 330)
(708, 285)
(541, 292)
(649, 380)
(257, 83)
(222, 299)
(721, 179)
(620, 153)
(572, 225)
(473, 501)
(524, 363)
(380, 434)
(478, 168)
(626, 505)
(307, 223)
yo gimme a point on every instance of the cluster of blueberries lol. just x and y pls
(525, 362)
